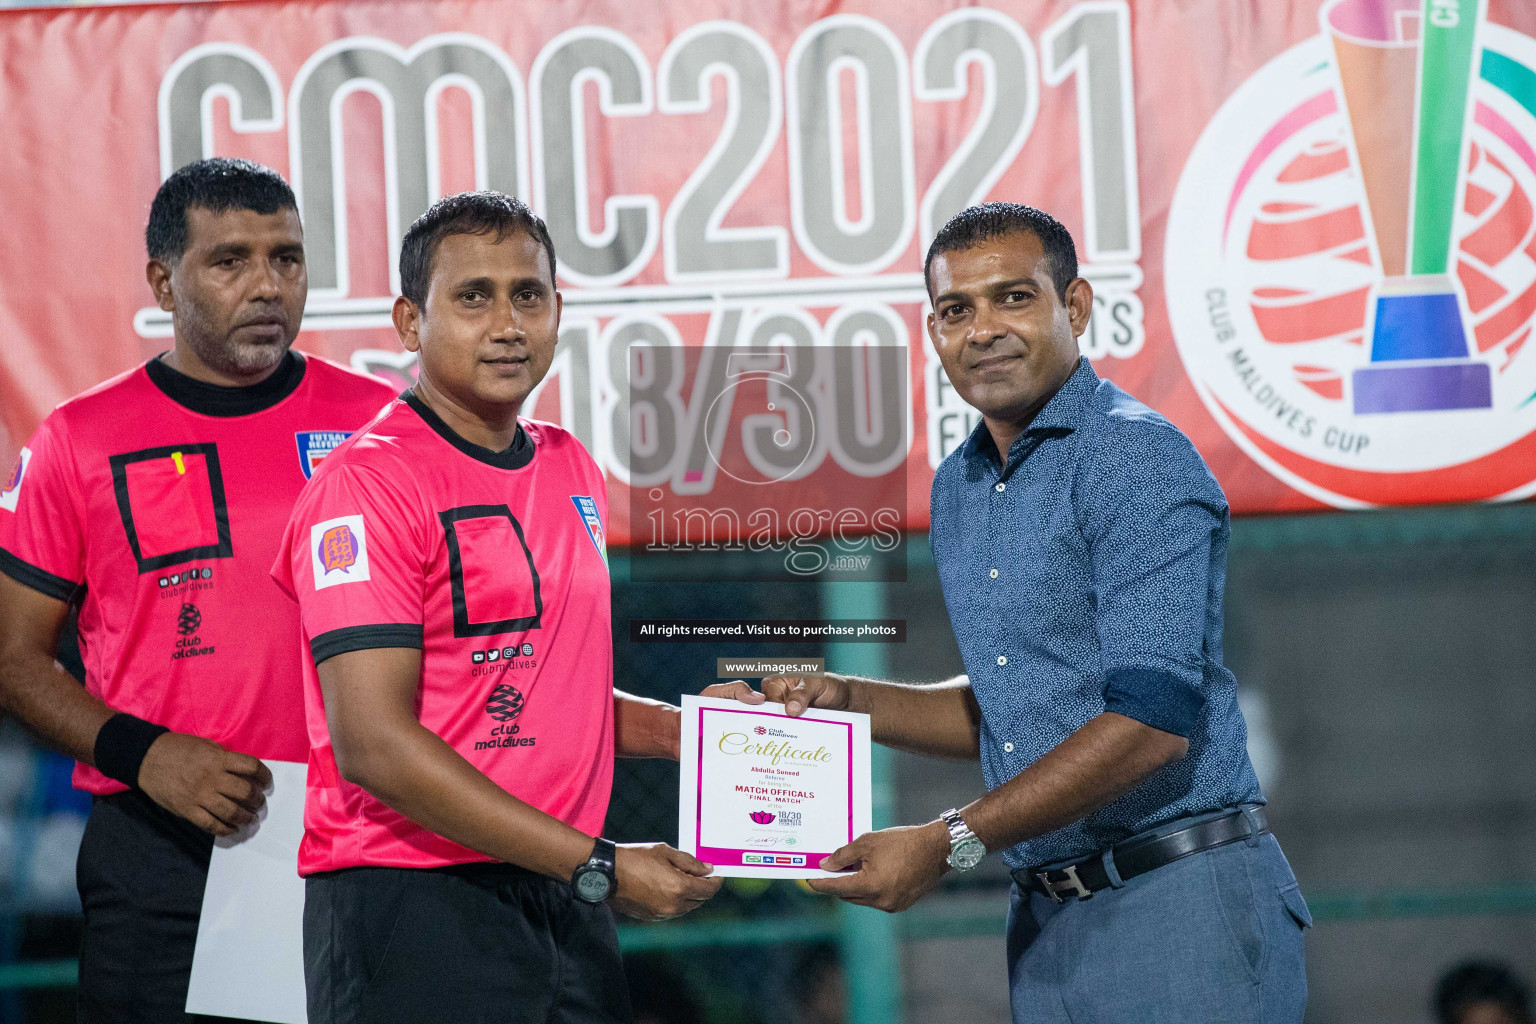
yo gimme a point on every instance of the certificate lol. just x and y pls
(764, 795)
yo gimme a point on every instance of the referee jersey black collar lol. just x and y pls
(215, 400)
(515, 456)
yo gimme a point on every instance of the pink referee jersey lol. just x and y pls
(157, 502)
(493, 564)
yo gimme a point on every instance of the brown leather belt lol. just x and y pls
(1136, 856)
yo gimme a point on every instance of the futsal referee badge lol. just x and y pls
(315, 445)
(587, 509)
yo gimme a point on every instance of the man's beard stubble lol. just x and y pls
(221, 352)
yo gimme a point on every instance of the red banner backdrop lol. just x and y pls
(742, 174)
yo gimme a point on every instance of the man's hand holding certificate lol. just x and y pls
(895, 867)
(767, 795)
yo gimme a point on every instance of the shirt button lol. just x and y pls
(994, 574)
(1008, 747)
(1002, 660)
(1001, 487)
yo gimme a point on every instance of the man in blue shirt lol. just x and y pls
(1081, 544)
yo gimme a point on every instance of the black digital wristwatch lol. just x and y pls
(594, 881)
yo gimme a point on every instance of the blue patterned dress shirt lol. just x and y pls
(1086, 576)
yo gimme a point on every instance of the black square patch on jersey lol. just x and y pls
(172, 504)
(491, 571)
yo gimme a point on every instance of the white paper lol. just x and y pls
(763, 795)
(249, 958)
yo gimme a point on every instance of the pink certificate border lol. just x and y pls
(733, 857)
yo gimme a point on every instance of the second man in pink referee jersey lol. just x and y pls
(449, 566)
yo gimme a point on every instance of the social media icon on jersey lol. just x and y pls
(338, 551)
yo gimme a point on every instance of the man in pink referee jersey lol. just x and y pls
(453, 588)
(153, 504)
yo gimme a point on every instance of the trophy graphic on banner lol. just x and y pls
(1405, 71)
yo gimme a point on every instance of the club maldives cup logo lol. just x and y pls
(1351, 258)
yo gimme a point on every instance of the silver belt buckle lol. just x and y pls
(1070, 886)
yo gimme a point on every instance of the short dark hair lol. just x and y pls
(218, 184)
(1481, 982)
(977, 224)
(468, 213)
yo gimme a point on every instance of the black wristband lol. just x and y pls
(121, 745)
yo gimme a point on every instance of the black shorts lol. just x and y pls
(141, 873)
(475, 944)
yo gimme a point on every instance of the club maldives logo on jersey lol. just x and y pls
(505, 703)
(338, 551)
(315, 445)
(587, 509)
(190, 643)
(1351, 258)
(11, 492)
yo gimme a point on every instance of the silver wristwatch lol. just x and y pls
(965, 850)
